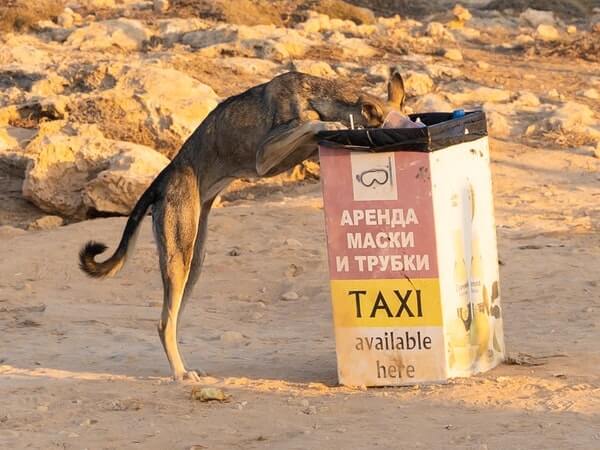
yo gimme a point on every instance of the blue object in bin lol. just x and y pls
(458, 113)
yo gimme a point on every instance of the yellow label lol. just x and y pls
(386, 303)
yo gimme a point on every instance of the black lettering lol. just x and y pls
(379, 369)
(380, 303)
(359, 344)
(419, 310)
(410, 371)
(404, 303)
(427, 342)
(357, 295)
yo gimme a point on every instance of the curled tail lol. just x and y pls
(113, 264)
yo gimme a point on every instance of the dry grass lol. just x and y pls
(20, 15)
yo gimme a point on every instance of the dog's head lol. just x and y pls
(368, 111)
(373, 110)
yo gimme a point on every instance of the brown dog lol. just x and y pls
(262, 132)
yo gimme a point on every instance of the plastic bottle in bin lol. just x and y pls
(396, 119)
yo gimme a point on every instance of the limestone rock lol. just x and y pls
(68, 174)
(125, 34)
(316, 68)
(417, 83)
(547, 33)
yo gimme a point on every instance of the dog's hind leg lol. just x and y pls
(197, 262)
(176, 219)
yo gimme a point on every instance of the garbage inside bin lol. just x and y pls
(412, 250)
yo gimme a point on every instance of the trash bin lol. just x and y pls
(412, 251)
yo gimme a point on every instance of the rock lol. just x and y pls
(172, 99)
(293, 244)
(536, 17)
(571, 29)
(483, 65)
(432, 103)
(523, 39)
(117, 189)
(208, 394)
(125, 34)
(547, 33)
(206, 38)
(480, 95)
(572, 116)
(7, 232)
(316, 68)
(497, 124)
(417, 83)
(161, 6)
(173, 30)
(232, 338)
(15, 137)
(249, 66)
(351, 47)
(311, 25)
(591, 93)
(310, 410)
(262, 41)
(597, 150)
(553, 93)
(289, 296)
(92, 4)
(527, 98)
(453, 54)
(69, 174)
(461, 13)
(66, 19)
(437, 31)
(46, 223)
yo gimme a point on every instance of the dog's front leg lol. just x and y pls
(288, 139)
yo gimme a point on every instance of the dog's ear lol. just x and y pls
(372, 111)
(396, 92)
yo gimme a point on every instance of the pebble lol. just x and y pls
(232, 338)
(591, 93)
(461, 13)
(547, 33)
(209, 394)
(311, 410)
(453, 54)
(45, 223)
(293, 244)
(290, 296)
(571, 29)
(161, 6)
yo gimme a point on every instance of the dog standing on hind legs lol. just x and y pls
(262, 132)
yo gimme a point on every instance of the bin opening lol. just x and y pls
(441, 131)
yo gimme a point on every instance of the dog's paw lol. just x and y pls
(194, 376)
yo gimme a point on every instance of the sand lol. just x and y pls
(81, 365)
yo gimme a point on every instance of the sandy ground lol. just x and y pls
(81, 364)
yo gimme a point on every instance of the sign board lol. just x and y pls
(413, 263)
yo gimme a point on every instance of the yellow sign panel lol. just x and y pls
(386, 303)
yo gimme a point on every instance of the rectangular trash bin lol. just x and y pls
(412, 251)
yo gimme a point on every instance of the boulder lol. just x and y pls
(417, 83)
(173, 100)
(68, 174)
(480, 95)
(126, 34)
(535, 17)
(547, 33)
(129, 173)
(316, 68)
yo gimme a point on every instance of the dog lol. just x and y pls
(262, 132)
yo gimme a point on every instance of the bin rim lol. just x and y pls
(441, 131)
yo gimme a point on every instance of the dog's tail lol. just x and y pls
(113, 264)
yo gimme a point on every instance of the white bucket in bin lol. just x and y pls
(412, 251)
